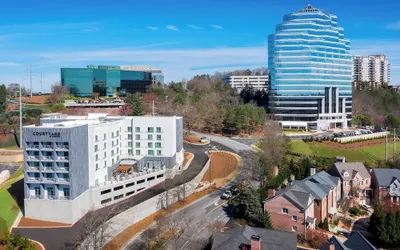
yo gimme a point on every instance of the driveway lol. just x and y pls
(361, 225)
(65, 238)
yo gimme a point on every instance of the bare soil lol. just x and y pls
(187, 157)
(223, 167)
(10, 153)
(28, 222)
(358, 145)
(35, 99)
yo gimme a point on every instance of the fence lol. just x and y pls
(365, 137)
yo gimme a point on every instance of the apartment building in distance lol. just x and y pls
(311, 74)
(302, 205)
(371, 71)
(240, 82)
(74, 164)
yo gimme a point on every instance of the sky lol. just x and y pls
(182, 37)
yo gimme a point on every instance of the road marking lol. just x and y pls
(215, 208)
(216, 203)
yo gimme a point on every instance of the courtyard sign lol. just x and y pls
(49, 134)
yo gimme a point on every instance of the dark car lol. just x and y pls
(234, 189)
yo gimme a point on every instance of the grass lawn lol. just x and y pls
(8, 207)
(44, 107)
(371, 153)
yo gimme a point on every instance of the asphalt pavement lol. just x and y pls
(65, 238)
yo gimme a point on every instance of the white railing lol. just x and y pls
(62, 169)
(33, 168)
(30, 157)
(34, 197)
(63, 180)
(64, 197)
(62, 158)
(48, 179)
(47, 158)
(33, 178)
(48, 168)
(64, 147)
(33, 146)
(47, 147)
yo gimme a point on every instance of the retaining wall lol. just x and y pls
(362, 137)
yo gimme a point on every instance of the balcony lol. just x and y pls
(62, 158)
(51, 197)
(62, 169)
(33, 147)
(34, 197)
(62, 147)
(33, 179)
(47, 169)
(45, 179)
(33, 168)
(49, 147)
(33, 157)
(64, 197)
(63, 180)
(47, 158)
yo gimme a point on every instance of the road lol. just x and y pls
(199, 216)
(361, 226)
(65, 238)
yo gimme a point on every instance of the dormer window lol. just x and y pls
(345, 174)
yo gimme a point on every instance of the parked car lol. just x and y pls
(226, 195)
(233, 189)
(203, 139)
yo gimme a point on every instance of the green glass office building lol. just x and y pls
(105, 80)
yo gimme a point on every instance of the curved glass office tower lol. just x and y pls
(311, 72)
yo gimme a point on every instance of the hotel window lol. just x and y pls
(117, 133)
(96, 148)
(50, 191)
(150, 152)
(294, 218)
(117, 141)
(158, 137)
(105, 163)
(158, 145)
(112, 161)
(96, 138)
(97, 166)
(130, 144)
(158, 152)
(285, 210)
(130, 151)
(138, 152)
(137, 129)
(150, 137)
(104, 137)
(149, 144)
(294, 228)
(158, 129)
(105, 155)
(112, 135)
(129, 137)
(37, 191)
(112, 153)
(137, 137)
(105, 145)
(150, 130)
(138, 144)
(97, 157)
(129, 129)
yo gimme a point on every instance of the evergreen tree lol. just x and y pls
(3, 98)
(136, 104)
(267, 221)
(397, 237)
(377, 223)
(391, 228)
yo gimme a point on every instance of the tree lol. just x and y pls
(57, 93)
(135, 103)
(377, 222)
(126, 110)
(391, 228)
(3, 98)
(95, 95)
(316, 238)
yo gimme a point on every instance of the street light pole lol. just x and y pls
(20, 116)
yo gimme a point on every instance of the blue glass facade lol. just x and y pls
(311, 72)
(106, 80)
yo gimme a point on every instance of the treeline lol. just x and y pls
(376, 107)
(208, 104)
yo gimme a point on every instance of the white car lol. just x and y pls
(226, 195)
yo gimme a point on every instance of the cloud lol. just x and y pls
(152, 28)
(218, 27)
(172, 27)
(194, 27)
(393, 26)
(9, 64)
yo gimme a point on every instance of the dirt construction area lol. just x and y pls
(223, 166)
(358, 145)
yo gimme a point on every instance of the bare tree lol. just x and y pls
(149, 236)
(57, 93)
(126, 110)
(95, 95)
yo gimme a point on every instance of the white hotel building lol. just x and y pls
(240, 82)
(74, 164)
(373, 70)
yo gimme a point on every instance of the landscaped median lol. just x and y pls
(223, 167)
(194, 140)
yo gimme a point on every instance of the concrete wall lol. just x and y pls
(4, 175)
(362, 137)
(18, 157)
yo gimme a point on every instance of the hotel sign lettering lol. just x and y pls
(49, 134)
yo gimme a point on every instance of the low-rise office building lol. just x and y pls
(240, 82)
(74, 164)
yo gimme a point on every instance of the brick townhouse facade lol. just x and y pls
(386, 184)
(304, 204)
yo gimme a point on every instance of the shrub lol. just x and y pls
(57, 107)
(336, 222)
(324, 224)
(33, 113)
(317, 238)
(354, 211)
(301, 238)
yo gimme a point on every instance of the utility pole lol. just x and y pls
(153, 112)
(386, 146)
(394, 144)
(30, 77)
(41, 83)
(20, 116)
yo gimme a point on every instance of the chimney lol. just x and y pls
(340, 159)
(313, 170)
(255, 242)
(331, 246)
(275, 171)
(271, 192)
